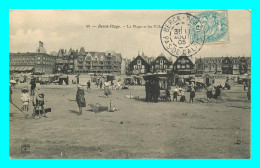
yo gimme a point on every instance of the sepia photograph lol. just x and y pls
(130, 84)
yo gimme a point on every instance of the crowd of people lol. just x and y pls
(152, 89)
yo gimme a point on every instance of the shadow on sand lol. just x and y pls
(138, 99)
(74, 111)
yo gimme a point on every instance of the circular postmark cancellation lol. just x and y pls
(182, 34)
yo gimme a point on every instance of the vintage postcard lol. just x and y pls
(130, 84)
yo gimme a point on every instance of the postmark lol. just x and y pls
(215, 24)
(182, 34)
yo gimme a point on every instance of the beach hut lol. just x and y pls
(138, 80)
(208, 80)
(44, 79)
(64, 79)
(128, 80)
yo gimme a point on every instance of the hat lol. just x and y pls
(180, 89)
(25, 89)
(40, 96)
(12, 81)
(80, 87)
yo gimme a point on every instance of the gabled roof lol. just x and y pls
(82, 51)
(162, 56)
(181, 57)
(140, 58)
(60, 53)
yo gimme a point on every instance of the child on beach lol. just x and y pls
(25, 98)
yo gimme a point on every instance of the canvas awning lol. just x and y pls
(64, 76)
(19, 68)
(11, 68)
(28, 68)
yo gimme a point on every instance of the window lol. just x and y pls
(135, 66)
(178, 66)
(38, 62)
(188, 66)
(139, 62)
(143, 67)
(165, 66)
(39, 58)
(183, 66)
(157, 61)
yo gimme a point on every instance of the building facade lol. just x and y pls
(97, 62)
(210, 65)
(36, 62)
(223, 65)
(65, 61)
(161, 64)
(139, 65)
(183, 66)
(125, 66)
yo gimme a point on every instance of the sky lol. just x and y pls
(68, 29)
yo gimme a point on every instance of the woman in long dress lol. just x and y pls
(106, 88)
(80, 99)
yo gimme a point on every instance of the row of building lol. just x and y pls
(110, 62)
(183, 65)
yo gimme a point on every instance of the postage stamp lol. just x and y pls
(182, 34)
(215, 25)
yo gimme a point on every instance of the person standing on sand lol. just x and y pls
(81, 101)
(192, 94)
(106, 88)
(100, 84)
(175, 94)
(156, 90)
(25, 98)
(147, 90)
(33, 86)
(209, 93)
(88, 85)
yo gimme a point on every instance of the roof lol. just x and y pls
(219, 59)
(145, 58)
(53, 53)
(20, 68)
(162, 56)
(142, 57)
(181, 57)
(82, 51)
